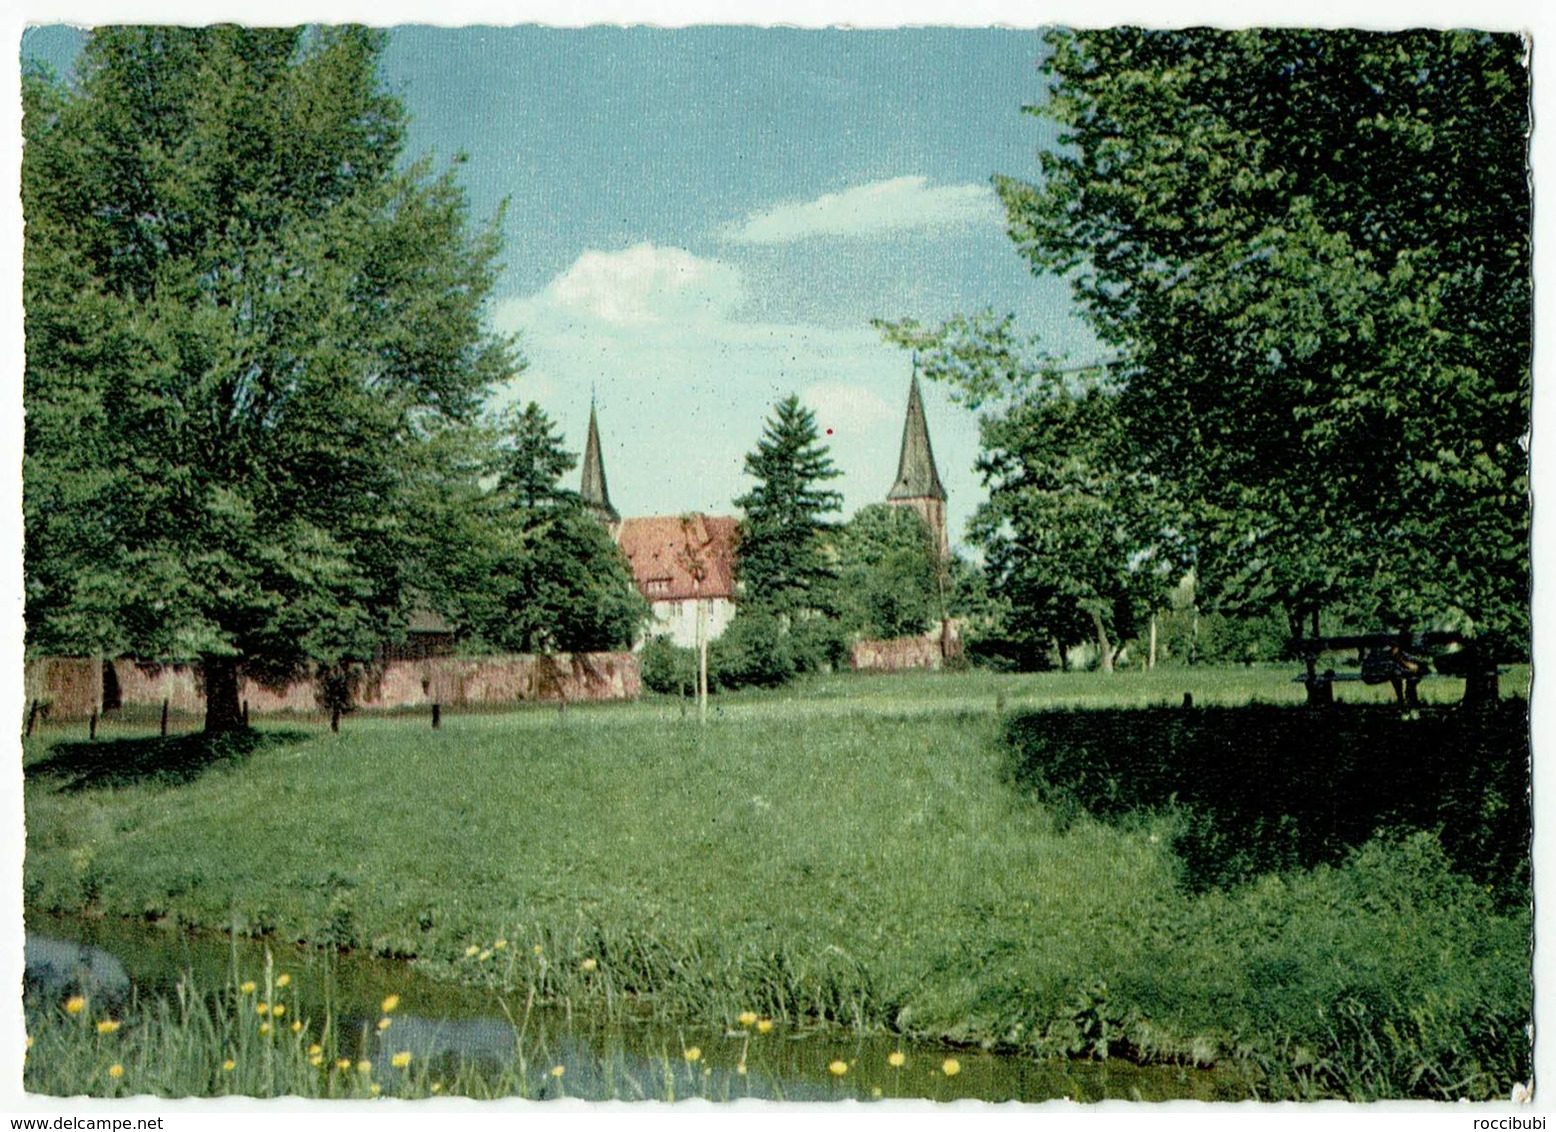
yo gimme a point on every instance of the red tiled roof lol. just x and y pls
(663, 551)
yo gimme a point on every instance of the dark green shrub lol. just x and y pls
(818, 644)
(668, 667)
(753, 652)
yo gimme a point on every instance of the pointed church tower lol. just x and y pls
(918, 483)
(592, 490)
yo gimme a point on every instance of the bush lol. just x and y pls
(668, 667)
(753, 652)
(818, 644)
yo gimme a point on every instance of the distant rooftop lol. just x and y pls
(666, 552)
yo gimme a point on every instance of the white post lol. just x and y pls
(1151, 664)
(702, 659)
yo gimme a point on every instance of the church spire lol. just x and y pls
(916, 474)
(592, 490)
(918, 482)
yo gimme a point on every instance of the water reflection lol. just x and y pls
(444, 1026)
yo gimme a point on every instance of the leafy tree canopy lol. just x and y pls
(250, 333)
(888, 584)
(522, 566)
(1307, 256)
(1310, 252)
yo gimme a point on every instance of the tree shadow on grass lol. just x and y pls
(173, 760)
(1263, 789)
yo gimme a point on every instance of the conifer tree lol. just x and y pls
(782, 564)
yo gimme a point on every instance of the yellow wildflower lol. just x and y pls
(364, 1066)
(484, 956)
(283, 979)
(390, 1003)
(264, 1029)
(383, 1023)
(316, 1059)
(838, 1068)
(764, 1025)
(589, 964)
(951, 1067)
(741, 1069)
(278, 1009)
(229, 1065)
(297, 1026)
(437, 1086)
(746, 1018)
(107, 1026)
(896, 1059)
(692, 1054)
(875, 1092)
(375, 1088)
(343, 1063)
(261, 1008)
(401, 1059)
(29, 1041)
(315, 1049)
(558, 1070)
(539, 950)
(116, 1071)
(248, 987)
(75, 1004)
(471, 950)
(500, 944)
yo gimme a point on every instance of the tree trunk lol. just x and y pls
(223, 708)
(1104, 646)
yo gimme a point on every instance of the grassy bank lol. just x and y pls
(846, 852)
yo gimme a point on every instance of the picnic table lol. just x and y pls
(1403, 659)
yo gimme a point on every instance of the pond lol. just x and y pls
(622, 1058)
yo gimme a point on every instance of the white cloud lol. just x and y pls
(684, 383)
(902, 204)
(643, 285)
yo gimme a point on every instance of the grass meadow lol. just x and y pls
(846, 852)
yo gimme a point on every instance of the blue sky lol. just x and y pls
(701, 221)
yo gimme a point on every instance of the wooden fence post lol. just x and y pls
(245, 713)
(437, 716)
(335, 718)
(164, 719)
(32, 716)
(92, 728)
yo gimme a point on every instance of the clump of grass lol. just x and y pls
(254, 1038)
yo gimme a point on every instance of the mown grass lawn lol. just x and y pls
(842, 851)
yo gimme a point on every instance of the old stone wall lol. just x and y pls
(931, 650)
(74, 688)
(67, 687)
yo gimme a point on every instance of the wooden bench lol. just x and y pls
(1402, 660)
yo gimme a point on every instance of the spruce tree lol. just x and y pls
(782, 563)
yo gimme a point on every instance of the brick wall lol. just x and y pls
(928, 651)
(73, 688)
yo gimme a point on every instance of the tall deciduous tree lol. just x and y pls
(1310, 253)
(1078, 542)
(888, 567)
(523, 566)
(781, 561)
(249, 329)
